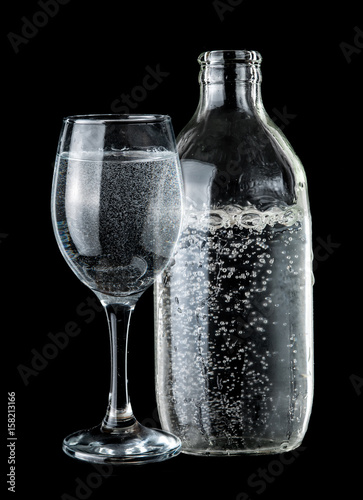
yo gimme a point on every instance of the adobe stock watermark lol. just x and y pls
(350, 50)
(3, 237)
(259, 480)
(85, 487)
(56, 343)
(221, 7)
(30, 27)
(357, 383)
(323, 250)
(282, 118)
(127, 103)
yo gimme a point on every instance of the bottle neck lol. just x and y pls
(230, 79)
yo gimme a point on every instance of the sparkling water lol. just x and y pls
(234, 321)
(118, 216)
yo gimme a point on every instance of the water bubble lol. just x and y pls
(216, 220)
(284, 446)
(250, 220)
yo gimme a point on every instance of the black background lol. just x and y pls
(80, 61)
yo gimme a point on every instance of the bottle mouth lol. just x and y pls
(223, 57)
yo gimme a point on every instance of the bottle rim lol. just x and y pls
(222, 57)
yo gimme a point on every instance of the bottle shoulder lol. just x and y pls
(251, 157)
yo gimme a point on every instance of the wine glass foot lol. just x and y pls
(133, 445)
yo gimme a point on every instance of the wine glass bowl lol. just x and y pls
(116, 212)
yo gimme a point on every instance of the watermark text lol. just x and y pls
(351, 49)
(127, 103)
(30, 27)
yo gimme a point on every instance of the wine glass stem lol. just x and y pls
(119, 413)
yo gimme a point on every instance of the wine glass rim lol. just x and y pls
(116, 118)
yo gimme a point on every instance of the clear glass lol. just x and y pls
(233, 309)
(116, 211)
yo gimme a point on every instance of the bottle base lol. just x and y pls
(240, 446)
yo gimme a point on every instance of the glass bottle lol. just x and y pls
(234, 335)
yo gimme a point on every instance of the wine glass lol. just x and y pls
(116, 212)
